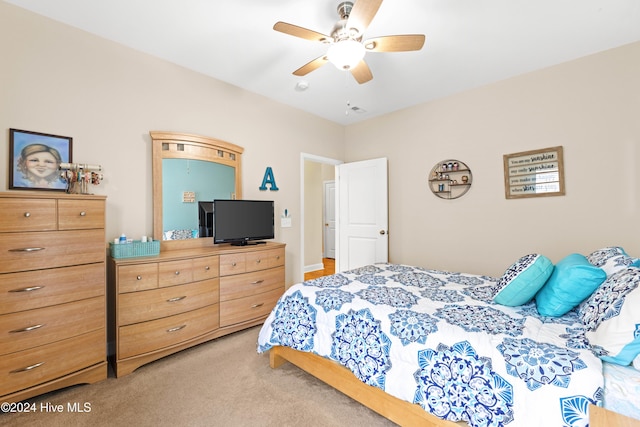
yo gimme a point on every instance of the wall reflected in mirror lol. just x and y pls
(181, 177)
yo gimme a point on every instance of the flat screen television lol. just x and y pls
(242, 222)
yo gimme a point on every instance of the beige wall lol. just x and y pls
(589, 106)
(60, 80)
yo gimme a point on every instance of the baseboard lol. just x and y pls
(314, 267)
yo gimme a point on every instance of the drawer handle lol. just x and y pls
(258, 261)
(257, 305)
(27, 329)
(233, 264)
(27, 214)
(206, 268)
(138, 277)
(257, 282)
(29, 289)
(28, 368)
(177, 328)
(277, 256)
(26, 250)
(176, 299)
(83, 213)
(177, 273)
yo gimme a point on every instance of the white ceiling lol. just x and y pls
(469, 43)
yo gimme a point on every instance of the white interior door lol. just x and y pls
(362, 206)
(329, 219)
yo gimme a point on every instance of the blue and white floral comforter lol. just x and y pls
(435, 338)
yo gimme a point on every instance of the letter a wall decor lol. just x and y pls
(268, 179)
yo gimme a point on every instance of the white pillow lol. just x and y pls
(612, 317)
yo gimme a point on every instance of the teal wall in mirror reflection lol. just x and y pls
(207, 180)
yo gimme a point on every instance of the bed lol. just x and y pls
(430, 347)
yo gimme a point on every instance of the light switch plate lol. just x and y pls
(285, 222)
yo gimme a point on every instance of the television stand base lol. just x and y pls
(244, 243)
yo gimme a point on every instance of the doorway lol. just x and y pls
(361, 213)
(329, 219)
(316, 171)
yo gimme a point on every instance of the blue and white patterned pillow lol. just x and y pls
(522, 280)
(180, 234)
(612, 318)
(611, 259)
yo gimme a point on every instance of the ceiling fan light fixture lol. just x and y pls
(346, 54)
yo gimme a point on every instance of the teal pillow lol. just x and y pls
(520, 283)
(573, 280)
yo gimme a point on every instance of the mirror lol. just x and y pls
(188, 169)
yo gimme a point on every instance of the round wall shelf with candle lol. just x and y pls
(450, 179)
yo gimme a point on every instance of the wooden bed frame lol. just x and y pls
(399, 411)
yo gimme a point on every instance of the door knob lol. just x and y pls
(382, 232)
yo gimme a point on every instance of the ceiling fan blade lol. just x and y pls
(361, 72)
(402, 43)
(311, 66)
(362, 14)
(303, 33)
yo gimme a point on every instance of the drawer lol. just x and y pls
(153, 304)
(139, 277)
(33, 328)
(276, 257)
(35, 289)
(205, 268)
(248, 308)
(27, 215)
(39, 365)
(257, 260)
(80, 214)
(232, 264)
(243, 285)
(173, 273)
(49, 249)
(157, 334)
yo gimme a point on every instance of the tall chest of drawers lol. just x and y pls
(181, 298)
(52, 292)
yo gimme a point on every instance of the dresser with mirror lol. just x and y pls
(194, 290)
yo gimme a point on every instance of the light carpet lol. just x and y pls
(220, 383)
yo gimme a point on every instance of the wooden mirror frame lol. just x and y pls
(173, 145)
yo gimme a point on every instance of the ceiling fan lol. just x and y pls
(346, 48)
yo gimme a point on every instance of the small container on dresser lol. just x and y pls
(52, 292)
(180, 298)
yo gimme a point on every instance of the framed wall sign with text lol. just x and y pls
(536, 173)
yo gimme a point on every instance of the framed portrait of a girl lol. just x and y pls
(35, 160)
